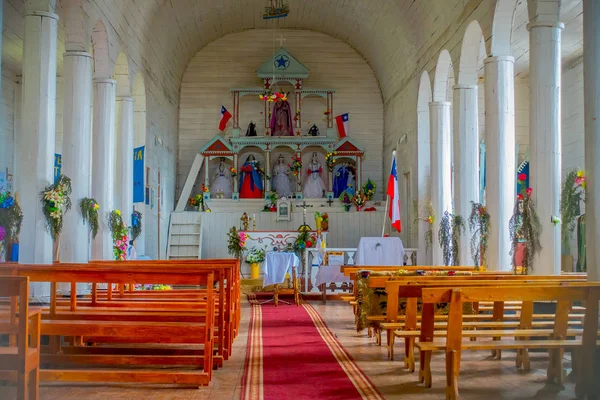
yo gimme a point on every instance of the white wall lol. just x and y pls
(7, 99)
(232, 61)
(572, 118)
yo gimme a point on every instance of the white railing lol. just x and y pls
(410, 258)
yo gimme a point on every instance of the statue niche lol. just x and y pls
(282, 123)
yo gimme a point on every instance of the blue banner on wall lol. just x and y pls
(57, 166)
(138, 174)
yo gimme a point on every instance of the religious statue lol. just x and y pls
(313, 185)
(244, 222)
(343, 179)
(251, 131)
(221, 184)
(281, 119)
(313, 131)
(281, 180)
(250, 181)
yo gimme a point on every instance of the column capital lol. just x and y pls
(545, 24)
(495, 59)
(77, 54)
(440, 104)
(105, 80)
(42, 14)
(463, 86)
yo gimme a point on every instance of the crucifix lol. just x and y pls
(330, 202)
(281, 40)
(304, 206)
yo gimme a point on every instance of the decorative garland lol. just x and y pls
(426, 215)
(118, 230)
(479, 224)
(451, 228)
(55, 203)
(89, 212)
(369, 189)
(236, 242)
(573, 192)
(136, 225)
(11, 218)
(330, 161)
(524, 227)
(296, 166)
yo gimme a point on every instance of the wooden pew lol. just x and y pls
(22, 357)
(412, 291)
(556, 343)
(130, 331)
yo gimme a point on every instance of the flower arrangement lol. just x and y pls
(359, 200)
(256, 256)
(327, 112)
(236, 242)
(89, 211)
(273, 97)
(304, 241)
(451, 228)
(296, 165)
(479, 224)
(118, 230)
(136, 224)
(369, 189)
(330, 161)
(233, 172)
(11, 218)
(426, 215)
(297, 116)
(152, 287)
(572, 193)
(346, 200)
(205, 188)
(196, 201)
(525, 226)
(55, 203)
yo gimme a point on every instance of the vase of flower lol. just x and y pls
(254, 270)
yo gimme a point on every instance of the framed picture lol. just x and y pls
(284, 210)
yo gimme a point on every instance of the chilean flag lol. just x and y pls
(225, 117)
(342, 125)
(394, 196)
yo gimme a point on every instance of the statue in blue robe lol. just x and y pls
(340, 180)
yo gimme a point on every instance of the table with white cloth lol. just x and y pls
(277, 265)
(380, 251)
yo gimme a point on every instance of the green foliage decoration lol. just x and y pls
(451, 228)
(11, 217)
(525, 227)
(479, 224)
(89, 212)
(572, 193)
(55, 203)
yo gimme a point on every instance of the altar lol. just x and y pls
(271, 241)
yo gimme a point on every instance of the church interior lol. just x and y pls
(285, 199)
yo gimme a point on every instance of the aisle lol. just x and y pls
(292, 355)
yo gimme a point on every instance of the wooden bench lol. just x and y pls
(412, 291)
(22, 357)
(128, 331)
(559, 340)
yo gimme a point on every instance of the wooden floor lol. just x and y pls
(481, 378)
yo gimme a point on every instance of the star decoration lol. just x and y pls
(282, 62)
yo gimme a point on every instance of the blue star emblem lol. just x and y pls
(282, 62)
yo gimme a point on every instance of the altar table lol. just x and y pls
(277, 265)
(380, 251)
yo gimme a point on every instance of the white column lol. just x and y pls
(441, 169)
(466, 160)
(500, 157)
(423, 181)
(1, 7)
(36, 144)
(75, 238)
(103, 163)
(591, 93)
(545, 139)
(124, 159)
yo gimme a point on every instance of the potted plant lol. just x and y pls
(255, 257)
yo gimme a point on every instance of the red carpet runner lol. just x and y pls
(293, 355)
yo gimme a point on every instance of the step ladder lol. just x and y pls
(185, 236)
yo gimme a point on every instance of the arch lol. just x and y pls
(139, 110)
(122, 76)
(100, 48)
(472, 54)
(423, 163)
(442, 75)
(502, 27)
(424, 97)
(550, 12)
(77, 37)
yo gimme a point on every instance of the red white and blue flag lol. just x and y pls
(394, 196)
(342, 122)
(225, 117)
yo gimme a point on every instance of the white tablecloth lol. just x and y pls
(330, 273)
(380, 251)
(276, 265)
